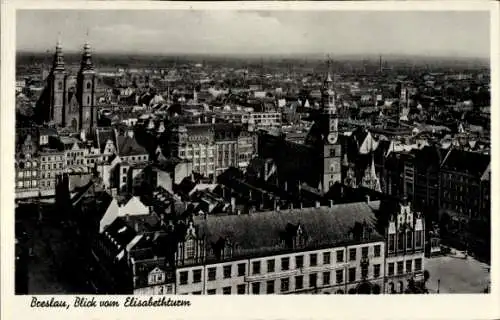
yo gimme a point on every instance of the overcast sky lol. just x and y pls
(258, 32)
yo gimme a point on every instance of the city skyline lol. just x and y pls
(416, 33)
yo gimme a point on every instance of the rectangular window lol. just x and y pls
(285, 285)
(313, 259)
(124, 170)
(313, 280)
(418, 240)
(339, 276)
(326, 258)
(326, 278)
(299, 282)
(409, 240)
(376, 250)
(376, 270)
(408, 266)
(352, 274)
(401, 239)
(226, 290)
(400, 267)
(197, 293)
(418, 264)
(270, 266)
(256, 267)
(299, 261)
(196, 276)
(183, 277)
(285, 264)
(211, 291)
(352, 254)
(270, 286)
(390, 269)
(256, 288)
(241, 269)
(241, 288)
(392, 242)
(211, 274)
(364, 271)
(340, 256)
(364, 252)
(227, 271)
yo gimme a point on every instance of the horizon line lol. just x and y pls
(314, 55)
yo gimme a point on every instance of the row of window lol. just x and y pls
(285, 262)
(241, 270)
(409, 241)
(285, 284)
(27, 184)
(26, 174)
(54, 158)
(28, 164)
(400, 267)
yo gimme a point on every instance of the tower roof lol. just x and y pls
(87, 64)
(58, 57)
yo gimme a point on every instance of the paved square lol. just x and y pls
(457, 275)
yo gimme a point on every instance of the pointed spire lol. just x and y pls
(58, 56)
(328, 79)
(87, 64)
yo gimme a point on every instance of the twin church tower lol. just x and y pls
(64, 103)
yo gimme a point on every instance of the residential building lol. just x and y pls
(405, 242)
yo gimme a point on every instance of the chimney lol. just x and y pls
(318, 204)
(291, 205)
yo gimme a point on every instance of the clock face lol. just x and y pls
(332, 137)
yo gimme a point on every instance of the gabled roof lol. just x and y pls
(128, 146)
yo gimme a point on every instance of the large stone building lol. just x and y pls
(65, 104)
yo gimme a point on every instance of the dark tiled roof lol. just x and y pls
(260, 232)
(467, 162)
(128, 146)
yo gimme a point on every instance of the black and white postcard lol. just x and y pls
(316, 158)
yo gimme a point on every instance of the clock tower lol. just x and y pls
(331, 146)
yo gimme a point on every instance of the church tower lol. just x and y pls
(86, 82)
(57, 84)
(331, 147)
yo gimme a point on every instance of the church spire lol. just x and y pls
(87, 64)
(58, 57)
